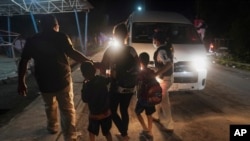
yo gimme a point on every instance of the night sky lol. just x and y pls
(115, 11)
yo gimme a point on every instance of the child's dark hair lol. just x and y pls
(144, 58)
(87, 68)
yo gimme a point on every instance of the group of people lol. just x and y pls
(103, 93)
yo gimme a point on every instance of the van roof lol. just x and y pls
(158, 16)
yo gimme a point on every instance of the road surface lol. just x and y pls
(199, 115)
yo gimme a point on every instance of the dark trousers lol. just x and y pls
(122, 101)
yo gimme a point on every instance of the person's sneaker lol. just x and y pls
(73, 137)
(78, 133)
(156, 119)
(125, 138)
(143, 132)
(149, 137)
(146, 134)
(122, 138)
(52, 131)
(170, 131)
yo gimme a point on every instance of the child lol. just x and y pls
(141, 105)
(95, 93)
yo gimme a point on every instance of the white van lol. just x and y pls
(189, 51)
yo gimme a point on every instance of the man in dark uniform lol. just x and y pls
(50, 50)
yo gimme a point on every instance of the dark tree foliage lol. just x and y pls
(228, 19)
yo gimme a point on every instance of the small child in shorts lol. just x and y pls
(95, 94)
(141, 105)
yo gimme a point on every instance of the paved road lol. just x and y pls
(29, 125)
(199, 115)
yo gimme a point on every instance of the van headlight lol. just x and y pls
(199, 63)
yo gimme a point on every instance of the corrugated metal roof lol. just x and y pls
(23, 7)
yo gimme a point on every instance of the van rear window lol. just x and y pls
(142, 32)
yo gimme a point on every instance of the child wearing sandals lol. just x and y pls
(95, 94)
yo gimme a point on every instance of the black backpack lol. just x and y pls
(95, 93)
(126, 69)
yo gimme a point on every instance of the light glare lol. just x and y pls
(115, 44)
(139, 8)
(199, 63)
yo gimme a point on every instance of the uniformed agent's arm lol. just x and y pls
(73, 53)
(166, 67)
(162, 57)
(78, 56)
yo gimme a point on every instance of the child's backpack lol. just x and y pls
(149, 90)
(95, 93)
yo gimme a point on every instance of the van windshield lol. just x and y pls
(142, 32)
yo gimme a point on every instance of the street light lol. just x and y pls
(139, 8)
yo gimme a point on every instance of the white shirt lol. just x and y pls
(163, 57)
